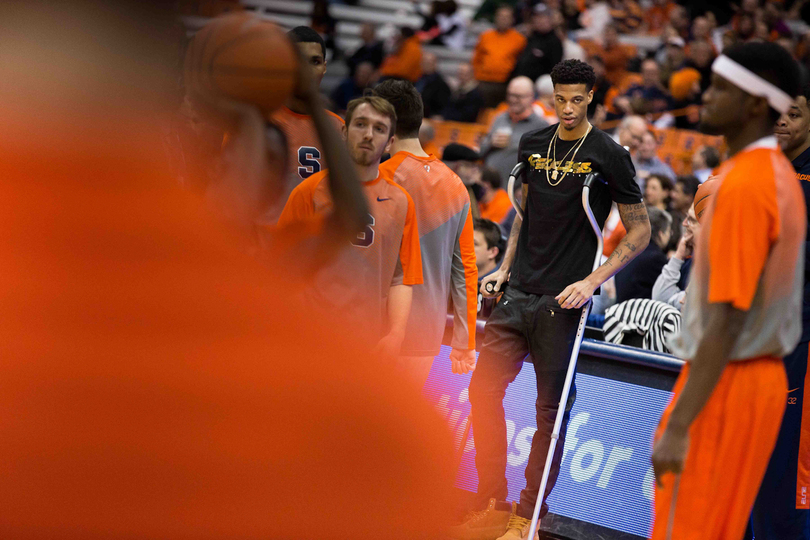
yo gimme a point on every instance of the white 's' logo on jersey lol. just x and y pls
(427, 168)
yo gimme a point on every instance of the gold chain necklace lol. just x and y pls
(575, 148)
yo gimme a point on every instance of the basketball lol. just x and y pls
(245, 58)
(703, 197)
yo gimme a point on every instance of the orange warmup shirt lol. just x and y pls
(406, 63)
(496, 54)
(448, 254)
(749, 255)
(357, 282)
(615, 62)
(304, 154)
(497, 208)
(657, 17)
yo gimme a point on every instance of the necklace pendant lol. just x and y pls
(554, 174)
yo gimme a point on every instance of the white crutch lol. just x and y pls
(572, 362)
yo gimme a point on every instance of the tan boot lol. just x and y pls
(518, 528)
(486, 524)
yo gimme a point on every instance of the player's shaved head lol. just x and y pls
(305, 34)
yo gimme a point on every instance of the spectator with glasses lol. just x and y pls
(500, 145)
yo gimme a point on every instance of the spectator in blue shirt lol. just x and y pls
(648, 97)
(647, 162)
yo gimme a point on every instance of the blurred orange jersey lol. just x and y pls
(304, 153)
(751, 255)
(448, 254)
(496, 209)
(386, 254)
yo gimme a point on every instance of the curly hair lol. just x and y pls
(573, 72)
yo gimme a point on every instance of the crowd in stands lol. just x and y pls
(639, 91)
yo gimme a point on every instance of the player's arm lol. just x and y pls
(408, 272)
(399, 308)
(745, 210)
(724, 325)
(502, 274)
(238, 189)
(464, 292)
(637, 223)
(350, 208)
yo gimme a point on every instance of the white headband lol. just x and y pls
(752, 83)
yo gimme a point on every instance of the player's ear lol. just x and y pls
(759, 105)
(590, 96)
(388, 146)
(344, 132)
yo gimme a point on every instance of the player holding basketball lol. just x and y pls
(370, 281)
(548, 262)
(446, 241)
(305, 149)
(781, 508)
(251, 171)
(742, 311)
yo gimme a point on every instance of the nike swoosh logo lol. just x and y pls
(789, 391)
(385, 199)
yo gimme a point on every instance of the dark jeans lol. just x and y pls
(521, 324)
(775, 516)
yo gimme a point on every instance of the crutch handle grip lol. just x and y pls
(490, 287)
(513, 183)
(589, 180)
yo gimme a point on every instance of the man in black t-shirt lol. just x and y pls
(548, 261)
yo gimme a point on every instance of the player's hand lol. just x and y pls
(500, 140)
(576, 295)
(669, 453)
(497, 279)
(389, 346)
(462, 361)
(684, 250)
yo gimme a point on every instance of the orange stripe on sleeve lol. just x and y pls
(744, 225)
(467, 251)
(803, 471)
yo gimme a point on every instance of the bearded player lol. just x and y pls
(742, 312)
(548, 263)
(370, 281)
(781, 509)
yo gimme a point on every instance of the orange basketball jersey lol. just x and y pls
(751, 255)
(385, 254)
(304, 153)
(448, 254)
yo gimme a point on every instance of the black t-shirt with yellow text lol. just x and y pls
(556, 246)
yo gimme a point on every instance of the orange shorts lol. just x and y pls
(730, 444)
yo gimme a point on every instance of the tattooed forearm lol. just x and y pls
(632, 214)
(635, 220)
